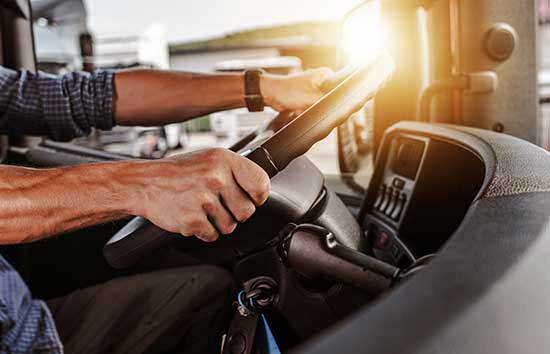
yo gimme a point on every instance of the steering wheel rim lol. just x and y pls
(314, 124)
(264, 131)
(273, 152)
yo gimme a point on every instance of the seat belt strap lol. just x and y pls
(270, 345)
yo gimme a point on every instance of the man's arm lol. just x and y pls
(152, 97)
(69, 106)
(203, 194)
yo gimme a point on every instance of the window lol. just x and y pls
(205, 36)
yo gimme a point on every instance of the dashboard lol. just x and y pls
(422, 187)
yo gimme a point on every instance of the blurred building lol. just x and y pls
(313, 42)
(148, 49)
(57, 29)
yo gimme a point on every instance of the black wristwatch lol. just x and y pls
(253, 95)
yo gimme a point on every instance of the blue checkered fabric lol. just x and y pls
(61, 107)
(26, 324)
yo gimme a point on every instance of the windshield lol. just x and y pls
(192, 20)
(282, 36)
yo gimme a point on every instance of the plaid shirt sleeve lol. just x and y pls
(60, 107)
(26, 324)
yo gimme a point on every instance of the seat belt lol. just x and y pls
(270, 343)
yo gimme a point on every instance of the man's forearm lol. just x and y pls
(201, 194)
(38, 203)
(151, 97)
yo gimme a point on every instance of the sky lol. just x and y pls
(186, 20)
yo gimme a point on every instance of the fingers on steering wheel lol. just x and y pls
(200, 227)
(238, 203)
(252, 179)
(321, 74)
(223, 220)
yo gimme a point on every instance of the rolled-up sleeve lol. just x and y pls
(60, 107)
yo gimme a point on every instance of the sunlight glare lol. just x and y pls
(363, 34)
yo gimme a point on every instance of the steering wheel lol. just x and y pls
(273, 147)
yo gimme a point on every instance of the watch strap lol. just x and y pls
(253, 95)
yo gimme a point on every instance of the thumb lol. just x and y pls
(320, 75)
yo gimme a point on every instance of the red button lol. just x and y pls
(382, 240)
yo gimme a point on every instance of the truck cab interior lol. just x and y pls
(445, 249)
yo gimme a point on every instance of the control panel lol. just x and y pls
(400, 172)
(420, 191)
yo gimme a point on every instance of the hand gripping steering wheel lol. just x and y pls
(346, 93)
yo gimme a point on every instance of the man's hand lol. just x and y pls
(295, 92)
(203, 194)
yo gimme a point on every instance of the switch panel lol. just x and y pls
(390, 202)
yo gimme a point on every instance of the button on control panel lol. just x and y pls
(386, 246)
